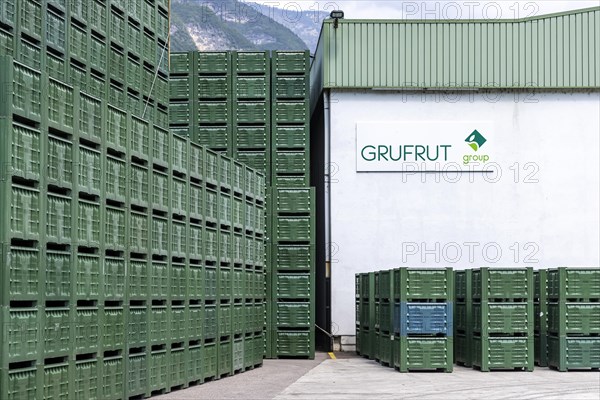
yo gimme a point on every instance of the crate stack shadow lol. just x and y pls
(254, 106)
(573, 318)
(406, 318)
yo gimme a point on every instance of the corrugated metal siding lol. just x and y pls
(558, 51)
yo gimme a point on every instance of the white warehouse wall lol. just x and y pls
(543, 211)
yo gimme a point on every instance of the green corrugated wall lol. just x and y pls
(552, 51)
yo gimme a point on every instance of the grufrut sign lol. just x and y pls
(424, 146)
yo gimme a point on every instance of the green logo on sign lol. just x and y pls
(475, 140)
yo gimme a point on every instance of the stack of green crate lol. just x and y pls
(540, 311)
(254, 106)
(573, 340)
(384, 309)
(101, 46)
(290, 119)
(211, 95)
(357, 310)
(422, 319)
(251, 98)
(118, 215)
(292, 280)
(463, 327)
(502, 318)
(366, 314)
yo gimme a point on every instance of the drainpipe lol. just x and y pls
(327, 177)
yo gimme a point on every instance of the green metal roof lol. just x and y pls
(549, 51)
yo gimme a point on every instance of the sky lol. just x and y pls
(442, 9)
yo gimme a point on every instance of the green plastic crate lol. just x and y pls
(180, 113)
(574, 283)
(8, 12)
(159, 325)
(291, 87)
(211, 321)
(252, 87)
(179, 196)
(225, 358)
(114, 278)
(160, 191)
(293, 315)
(158, 369)
(178, 282)
(502, 283)
(291, 137)
(571, 353)
(502, 318)
(251, 137)
(195, 241)
(98, 55)
(196, 168)
(87, 270)
(291, 181)
(238, 355)
(213, 62)
(386, 350)
(180, 87)
(573, 318)
(291, 62)
(113, 330)
(252, 112)
(195, 367)
(56, 380)
(57, 331)
(213, 137)
(30, 18)
(87, 383)
(195, 322)
(415, 284)
(213, 112)
(291, 112)
(180, 151)
(294, 201)
(115, 181)
(178, 323)
(25, 213)
(58, 219)
(21, 382)
(139, 232)
(112, 377)
(137, 374)
(212, 87)
(178, 364)
(139, 139)
(210, 360)
(211, 246)
(237, 320)
(181, 63)
(503, 353)
(293, 286)
(419, 353)
(24, 270)
(86, 330)
(138, 279)
(250, 62)
(294, 258)
(90, 118)
(294, 229)
(137, 323)
(160, 147)
(56, 66)
(294, 343)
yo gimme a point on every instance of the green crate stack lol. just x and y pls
(290, 119)
(100, 46)
(212, 118)
(119, 218)
(182, 82)
(423, 341)
(251, 106)
(463, 328)
(540, 311)
(502, 318)
(366, 318)
(358, 310)
(293, 286)
(573, 334)
(384, 306)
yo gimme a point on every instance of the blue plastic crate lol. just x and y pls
(423, 319)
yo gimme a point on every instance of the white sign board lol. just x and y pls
(424, 146)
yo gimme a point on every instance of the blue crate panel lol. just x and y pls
(423, 318)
